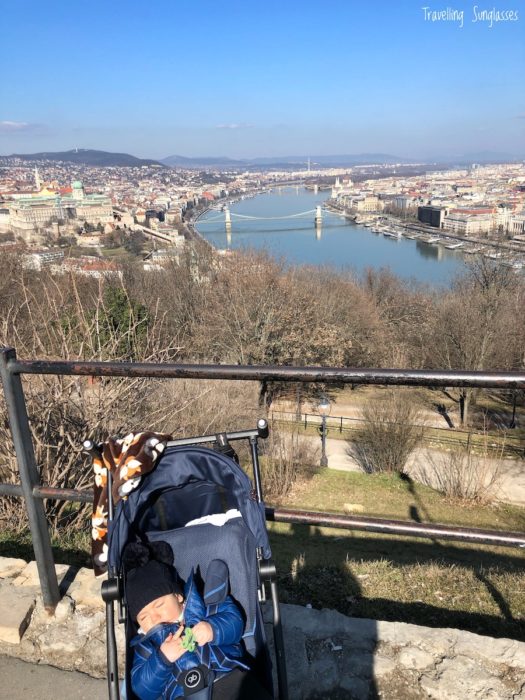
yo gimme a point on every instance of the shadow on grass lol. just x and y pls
(330, 582)
(19, 545)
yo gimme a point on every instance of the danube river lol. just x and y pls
(339, 243)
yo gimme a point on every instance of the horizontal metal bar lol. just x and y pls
(240, 435)
(361, 523)
(331, 375)
(53, 494)
(398, 527)
(11, 490)
(63, 494)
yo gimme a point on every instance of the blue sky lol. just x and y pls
(255, 78)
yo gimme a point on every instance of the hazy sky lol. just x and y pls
(262, 78)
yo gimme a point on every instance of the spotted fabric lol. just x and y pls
(127, 459)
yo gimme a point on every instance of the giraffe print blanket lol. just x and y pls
(127, 459)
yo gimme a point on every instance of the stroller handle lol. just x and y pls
(88, 446)
(261, 431)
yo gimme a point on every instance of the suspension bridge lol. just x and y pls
(229, 216)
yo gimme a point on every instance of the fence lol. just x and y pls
(503, 444)
(30, 488)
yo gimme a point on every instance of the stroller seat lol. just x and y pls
(196, 546)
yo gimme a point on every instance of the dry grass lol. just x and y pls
(426, 582)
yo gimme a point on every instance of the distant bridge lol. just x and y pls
(233, 215)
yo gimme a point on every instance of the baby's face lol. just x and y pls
(167, 608)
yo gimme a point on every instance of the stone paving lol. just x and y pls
(43, 682)
(329, 655)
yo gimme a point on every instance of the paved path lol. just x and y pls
(511, 482)
(23, 681)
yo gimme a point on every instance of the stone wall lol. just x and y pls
(328, 654)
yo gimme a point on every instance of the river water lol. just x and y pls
(340, 243)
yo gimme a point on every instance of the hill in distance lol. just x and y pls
(486, 157)
(87, 156)
(284, 161)
(185, 162)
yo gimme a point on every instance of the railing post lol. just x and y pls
(29, 478)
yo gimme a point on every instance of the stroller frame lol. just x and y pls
(111, 589)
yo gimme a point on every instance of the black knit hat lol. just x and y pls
(150, 574)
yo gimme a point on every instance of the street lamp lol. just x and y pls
(324, 410)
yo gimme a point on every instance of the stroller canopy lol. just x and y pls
(187, 483)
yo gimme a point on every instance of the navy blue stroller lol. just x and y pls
(191, 481)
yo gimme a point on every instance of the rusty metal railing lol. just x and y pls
(34, 492)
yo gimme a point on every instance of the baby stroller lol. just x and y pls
(189, 483)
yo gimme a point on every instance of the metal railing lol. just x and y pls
(34, 492)
(348, 428)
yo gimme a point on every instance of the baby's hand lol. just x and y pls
(172, 647)
(203, 633)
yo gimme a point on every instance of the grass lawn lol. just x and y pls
(427, 582)
(118, 254)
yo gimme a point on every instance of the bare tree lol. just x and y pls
(52, 320)
(471, 322)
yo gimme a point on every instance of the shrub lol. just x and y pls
(285, 457)
(463, 474)
(389, 433)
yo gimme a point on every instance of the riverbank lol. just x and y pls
(511, 253)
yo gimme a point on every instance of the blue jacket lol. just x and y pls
(153, 676)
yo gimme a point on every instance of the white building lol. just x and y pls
(468, 224)
(517, 224)
(361, 203)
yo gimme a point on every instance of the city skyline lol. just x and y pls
(196, 80)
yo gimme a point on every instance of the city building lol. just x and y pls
(38, 259)
(433, 216)
(362, 203)
(29, 215)
(403, 202)
(466, 224)
(517, 224)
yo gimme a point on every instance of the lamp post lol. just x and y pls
(324, 410)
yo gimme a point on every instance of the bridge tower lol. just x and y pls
(227, 220)
(318, 217)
